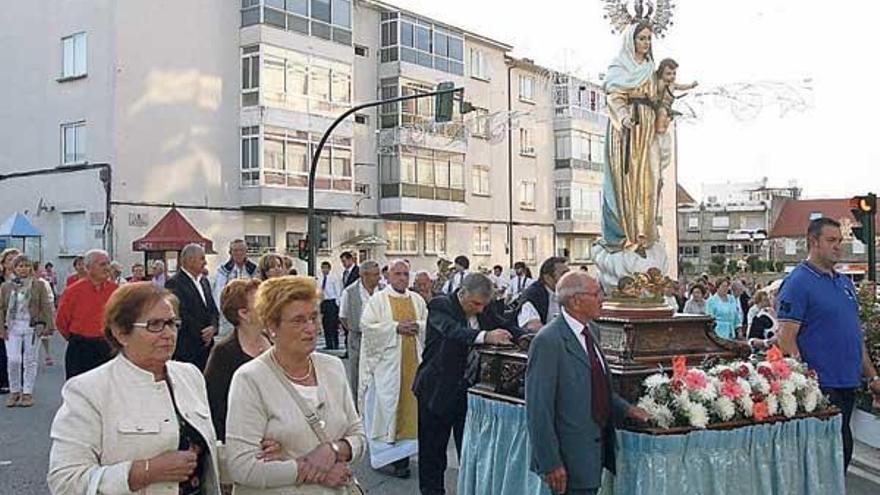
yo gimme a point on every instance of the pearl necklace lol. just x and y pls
(288, 375)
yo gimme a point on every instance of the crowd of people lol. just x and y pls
(154, 397)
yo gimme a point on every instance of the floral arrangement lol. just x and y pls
(735, 391)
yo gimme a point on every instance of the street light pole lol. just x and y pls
(312, 221)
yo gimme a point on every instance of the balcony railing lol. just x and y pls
(405, 190)
(280, 178)
(581, 114)
(563, 163)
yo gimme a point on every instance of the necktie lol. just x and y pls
(345, 277)
(598, 382)
(324, 285)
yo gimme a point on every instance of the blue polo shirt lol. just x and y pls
(830, 336)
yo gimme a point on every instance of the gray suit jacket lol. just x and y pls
(559, 409)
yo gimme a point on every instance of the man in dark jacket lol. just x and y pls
(198, 313)
(537, 305)
(350, 271)
(456, 322)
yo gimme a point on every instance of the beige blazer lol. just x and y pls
(260, 406)
(39, 307)
(117, 413)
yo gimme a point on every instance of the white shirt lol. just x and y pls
(198, 282)
(454, 281)
(578, 329)
(474, 323)
(345, 301)
(332, 290)
(518, 284)
(528, 312)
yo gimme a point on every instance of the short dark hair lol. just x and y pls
(816, 225)
(697, 287)
(463, 261)
(346, 255)
(325, 263)
(519, 264)
(498, 267)
(548, 267)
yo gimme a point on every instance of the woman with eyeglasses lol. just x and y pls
(296, 396)
(140, 421)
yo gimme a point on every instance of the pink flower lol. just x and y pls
(695, 380)
(775, 386)
(731, 390)
(760, 410)
(781, 369)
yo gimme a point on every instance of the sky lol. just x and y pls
(830, 148)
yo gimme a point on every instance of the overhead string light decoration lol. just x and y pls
(622, 13)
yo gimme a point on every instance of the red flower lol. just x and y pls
(757, 397)
(765, 372)
(679, 366)
(676, 386)
(727, 376)
(811, 374)
(760, 410)
(781, 369)
(695, 380)
(774, 354)
(743, 371)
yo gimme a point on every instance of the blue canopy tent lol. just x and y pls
(18, 232)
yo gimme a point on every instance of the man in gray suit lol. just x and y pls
(570, 406)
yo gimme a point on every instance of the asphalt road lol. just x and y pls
(24, 446)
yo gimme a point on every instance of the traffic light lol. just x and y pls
(444, 103)
(863, 209)
(303, 249)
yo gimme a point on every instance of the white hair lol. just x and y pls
(91, 254)
(191, 250)
(423, 272)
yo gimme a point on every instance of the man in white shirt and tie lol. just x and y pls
(519, 281)
(331, 291)
(460, 271)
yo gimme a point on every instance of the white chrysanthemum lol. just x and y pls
(707, 393)
(747, 406)
(798, 380)
(772, 405)
(811, 400)
(697, 415)
(759, 383)
(725, 408)
(787, 387)
(788, 403)
(664, 416)
(744, 384)
(681, 400)
(654, 381)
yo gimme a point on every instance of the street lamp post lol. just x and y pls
(312, 221)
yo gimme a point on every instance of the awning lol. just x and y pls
(365, 240)
(172, 233)
(17, 225)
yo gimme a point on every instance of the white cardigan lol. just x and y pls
(260, 406)
(117, 413)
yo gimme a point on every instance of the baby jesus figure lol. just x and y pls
(665, 80)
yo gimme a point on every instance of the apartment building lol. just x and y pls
(123, 110)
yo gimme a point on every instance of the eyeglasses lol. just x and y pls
(158, 325)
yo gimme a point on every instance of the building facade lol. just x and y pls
(220, 114)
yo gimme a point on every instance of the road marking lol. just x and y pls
(5, 463)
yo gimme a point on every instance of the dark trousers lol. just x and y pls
(434, 433)
(85, 354)
(330, 322)
(4, 372)
(845, 400)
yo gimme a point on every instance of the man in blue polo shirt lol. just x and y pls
(819, 323)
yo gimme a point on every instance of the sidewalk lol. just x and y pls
(865, 462)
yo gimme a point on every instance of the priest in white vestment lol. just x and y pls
(393, 327)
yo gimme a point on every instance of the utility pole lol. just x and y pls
(445, 91)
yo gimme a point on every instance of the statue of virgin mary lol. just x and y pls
(630, 190)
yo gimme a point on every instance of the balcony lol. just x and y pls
(416, 199)
(449, 137)
(563, 113)
(281, 189)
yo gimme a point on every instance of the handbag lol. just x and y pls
(315, 422)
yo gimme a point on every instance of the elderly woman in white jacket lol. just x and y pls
(141, 422)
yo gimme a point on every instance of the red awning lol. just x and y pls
(172, 233)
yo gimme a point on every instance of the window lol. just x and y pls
(790, 247)
(435, 238)
(720, 249)
(250, 76)
(402, 237)
(581, 249)
(73, 143)
(527, 88)
(693, 224)
(360, 118)
(527, 195)
(73, 232)
(481, 180)
(73, 56)
(259, 244)
(720, 223)
(529, 249)
(689, 251)
(361, 51)
(479, 67)
(563, 203)
(815, 215)
(526, 146)
(482, 241)
(327, 19)
(480, 127)
(418, 41)
(250, 156)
